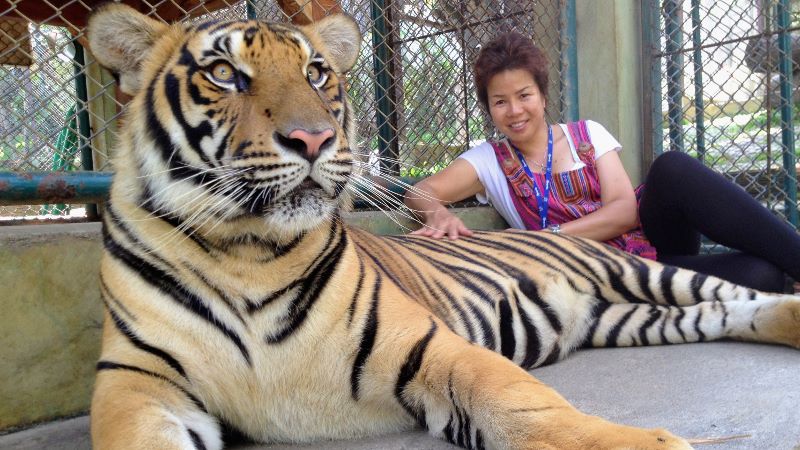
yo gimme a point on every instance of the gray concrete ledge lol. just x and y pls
(394, 222)
(26, 235)
(712, 390)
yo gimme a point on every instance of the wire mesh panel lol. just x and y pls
(726, 91)
(411, 88)
(58, 109)
(38, 126)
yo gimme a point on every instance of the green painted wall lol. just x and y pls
(50, 326)
(609, 73)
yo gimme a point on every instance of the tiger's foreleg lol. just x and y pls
(477, 399)
(133, 408)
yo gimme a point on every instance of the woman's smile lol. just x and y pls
(518, 126)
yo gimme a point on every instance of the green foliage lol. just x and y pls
(36, 101)
(422, 172)
(760, 119)
(732, 131)
(433, 96)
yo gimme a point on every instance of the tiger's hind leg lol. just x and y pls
(643, 302)
(766, 318)
(136, 409)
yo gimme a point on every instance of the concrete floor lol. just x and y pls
(747, 391)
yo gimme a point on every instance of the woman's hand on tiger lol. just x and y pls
(441, 223)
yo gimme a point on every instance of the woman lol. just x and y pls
(570, 179)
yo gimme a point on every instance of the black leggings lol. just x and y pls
(683, 199)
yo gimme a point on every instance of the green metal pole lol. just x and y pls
(697, 62)
(653, 120)
(383, 84)
(251, 10)
(569, 61)
(787, 129)
(83, 120)
(674, 42)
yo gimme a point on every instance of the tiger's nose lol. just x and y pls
(308, 143)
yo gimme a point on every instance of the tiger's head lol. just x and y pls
(231, 121)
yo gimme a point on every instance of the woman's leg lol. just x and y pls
(683, 199)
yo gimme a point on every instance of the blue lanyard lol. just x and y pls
(542, 201)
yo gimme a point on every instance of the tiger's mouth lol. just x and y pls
(265, 201)
(307, 183)
(308, 188)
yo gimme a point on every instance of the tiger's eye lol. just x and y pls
(314, 73)
(222, 72)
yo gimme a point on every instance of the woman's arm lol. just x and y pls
(618, 213)
(428, 198)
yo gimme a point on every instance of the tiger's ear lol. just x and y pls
(339, 35)
(120, 37)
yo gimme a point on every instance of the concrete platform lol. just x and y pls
(715, 390)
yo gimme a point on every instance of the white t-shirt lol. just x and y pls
(494, 181)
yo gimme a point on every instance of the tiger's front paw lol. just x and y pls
(641, 439)
(596, 433)
(660, 439)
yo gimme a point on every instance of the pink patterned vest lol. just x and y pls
(573, 194)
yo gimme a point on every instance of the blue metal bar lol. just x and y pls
(674, 43)
(697, 61)
(569, 61)
(383, 85)
(17, 188)
(27, 188)
(787, 129)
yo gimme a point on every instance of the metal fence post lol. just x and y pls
(569, 61)
(250, 10)
(697, 63)
(385, 114)
(674, 42)
(652, 130)
(84, 130)
(787, 128)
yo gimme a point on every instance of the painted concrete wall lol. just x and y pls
(50, 321)
(609, 73)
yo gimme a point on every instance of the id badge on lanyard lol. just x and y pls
(542, 198)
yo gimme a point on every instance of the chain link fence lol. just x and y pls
(723, 82)
(38, 106)
(724, 87)
(411, 88)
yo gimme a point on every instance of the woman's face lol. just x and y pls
(516, 104)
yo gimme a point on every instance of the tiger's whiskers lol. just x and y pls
(200, 216)
(378, 195)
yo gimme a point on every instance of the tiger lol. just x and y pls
(237, 297)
